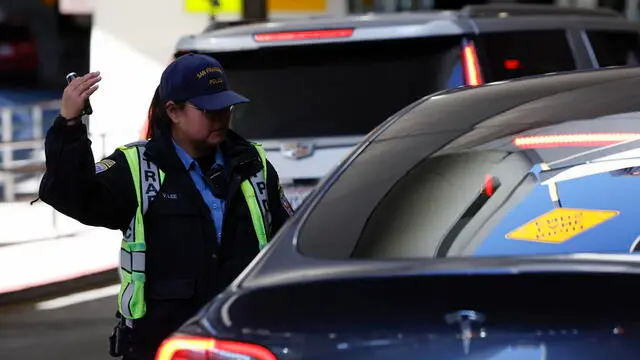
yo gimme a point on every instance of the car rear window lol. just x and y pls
(614, 48)
(336, 89)
(565, 188)
(513, 54)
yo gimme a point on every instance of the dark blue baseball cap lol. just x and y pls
(199, 79)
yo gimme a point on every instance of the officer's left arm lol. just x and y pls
(280, 208)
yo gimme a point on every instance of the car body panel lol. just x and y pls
(390, 312)
(290, 156)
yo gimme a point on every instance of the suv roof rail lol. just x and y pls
(493, 10)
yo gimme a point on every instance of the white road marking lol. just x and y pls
(78, 298)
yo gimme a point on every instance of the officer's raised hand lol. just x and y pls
(77, 92)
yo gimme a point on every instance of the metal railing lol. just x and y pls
(22, 129)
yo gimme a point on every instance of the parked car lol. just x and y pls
(319, 85)
(496, 222)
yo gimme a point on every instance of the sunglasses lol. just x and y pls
(212, 113)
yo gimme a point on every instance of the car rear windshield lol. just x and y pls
(565, 188)
(335, 89)
(512, 54)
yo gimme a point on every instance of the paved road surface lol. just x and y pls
(74, 332)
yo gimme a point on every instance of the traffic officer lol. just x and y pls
(195, 203)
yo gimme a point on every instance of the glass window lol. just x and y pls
(457, 76)
(617, 5)
(334, 89)
(508, 55)
(614, 48)
(558, 189)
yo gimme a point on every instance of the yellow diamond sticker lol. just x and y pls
(560, 225)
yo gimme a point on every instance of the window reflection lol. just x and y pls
(542, 198)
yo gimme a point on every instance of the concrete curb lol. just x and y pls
(52, 290)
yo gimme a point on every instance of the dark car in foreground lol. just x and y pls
(496, 222)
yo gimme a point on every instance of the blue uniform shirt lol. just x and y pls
(216, 205)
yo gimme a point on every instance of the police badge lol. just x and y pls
(104, 165)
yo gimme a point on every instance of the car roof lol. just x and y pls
(556, 98)
(369, 27)
(488, 112)
(379, 26)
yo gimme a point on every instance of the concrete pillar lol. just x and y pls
(565, 3)
(588, 4)
(632, 9)
(337, 7)
(131, 44)
(386, 5)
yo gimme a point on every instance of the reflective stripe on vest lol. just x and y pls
(255, 193)
(147, 179)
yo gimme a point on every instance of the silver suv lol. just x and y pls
(319, 85)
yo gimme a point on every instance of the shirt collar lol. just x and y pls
(186, 159)
(190, 162)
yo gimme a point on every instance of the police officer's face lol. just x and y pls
(203, 127)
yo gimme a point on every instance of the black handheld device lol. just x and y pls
(216, 178)
(88, 110)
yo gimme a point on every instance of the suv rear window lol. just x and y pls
(335, 89)
(614, 48)
(508, 55)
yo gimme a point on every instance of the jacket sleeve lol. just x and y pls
(281, 210)
(96, 194)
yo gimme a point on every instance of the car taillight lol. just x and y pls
(303, 35)
(199, 348)
(512, 64)
(581, 140)
(491, 184)
(471, 65)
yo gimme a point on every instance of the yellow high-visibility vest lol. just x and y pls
(131, 300)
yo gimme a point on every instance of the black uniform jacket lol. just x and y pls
(185, 264)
